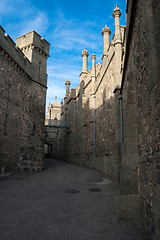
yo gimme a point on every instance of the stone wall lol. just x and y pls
(119, 133)
(22, 104)
(140, 176)
(92, 110)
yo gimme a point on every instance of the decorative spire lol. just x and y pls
(85, 56)
(93, 57)
(93, 73)
(84, 52)
(106, 30)
(117, 12)
(106, 39)
(67, 83)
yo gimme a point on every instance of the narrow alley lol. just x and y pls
(64, 202)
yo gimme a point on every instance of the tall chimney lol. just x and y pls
(118, 46)
(85, 59)
(106, 39)
(93, 73)
(67, 83)
(117, 14)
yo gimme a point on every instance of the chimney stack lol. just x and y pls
(118, 46)
(67, 83)
(85, 59)
(93, 74)
(106, 39)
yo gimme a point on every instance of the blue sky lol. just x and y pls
(69, 26)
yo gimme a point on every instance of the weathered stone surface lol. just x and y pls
(142, 109)
(22, 106)
(129, 207)
(93, 139)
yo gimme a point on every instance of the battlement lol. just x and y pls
(16, 55)
(31, 40)
(36, 49)
(9, 46)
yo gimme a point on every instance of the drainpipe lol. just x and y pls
(94, 141)
(121, 114)
(75, 130)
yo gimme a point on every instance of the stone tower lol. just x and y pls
(36, 49)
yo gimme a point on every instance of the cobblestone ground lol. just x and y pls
(58, 205)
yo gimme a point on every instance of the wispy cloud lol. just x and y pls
(21, 17)
(38, 23)
(68, 35)
(72, 34)
(59, 73)
(6, 7)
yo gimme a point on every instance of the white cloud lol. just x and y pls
(68, 37)
(71, 34)
(21, 17)
(39, 23)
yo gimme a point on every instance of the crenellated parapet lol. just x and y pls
(33, 41)
(36, 49)
(21, 61)
(13, 54)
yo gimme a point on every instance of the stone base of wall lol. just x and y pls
(102, 162)
(129, 207)
(150, 216)
(29, 166)
(3, 173)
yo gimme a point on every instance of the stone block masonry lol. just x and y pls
(141, 114)
(22, 110)
(114, 113)
(92, 109)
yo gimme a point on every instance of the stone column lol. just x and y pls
(67, 83)
(118, 45)
(85, 58)
(106, 40)
(93, 74)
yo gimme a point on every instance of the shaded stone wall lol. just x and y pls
(92, 109)
(140, 182)
(139, 169)
(107, 152)
(22, 114)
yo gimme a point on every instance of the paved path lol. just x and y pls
(40, 207)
